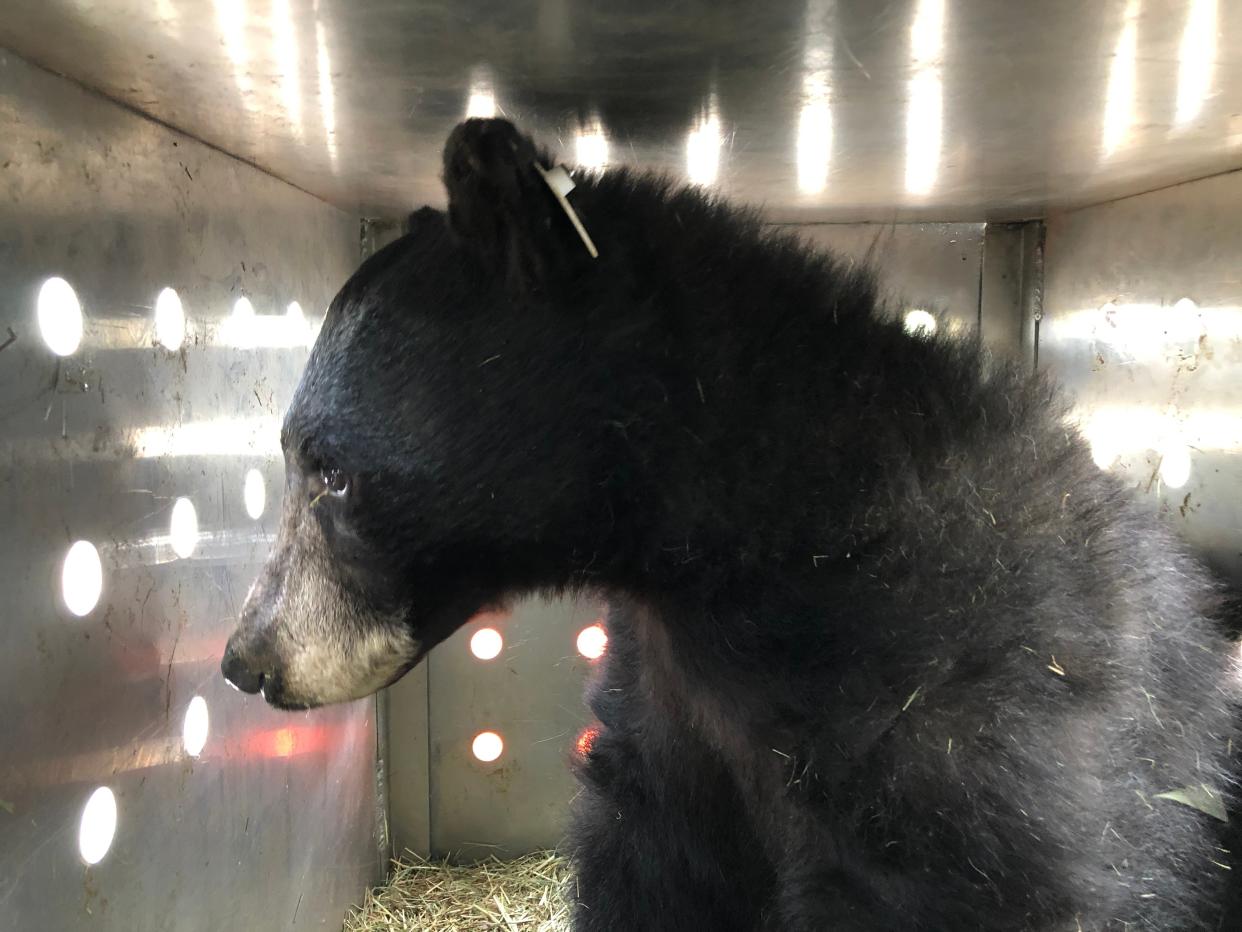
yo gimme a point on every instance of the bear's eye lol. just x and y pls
(335, 481)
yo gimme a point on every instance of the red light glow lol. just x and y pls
(284, 742)
(292, 740)
(586, 740)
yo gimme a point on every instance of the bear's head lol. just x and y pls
(481, 417)
(519, 397)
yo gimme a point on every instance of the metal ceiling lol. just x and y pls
(944, 109)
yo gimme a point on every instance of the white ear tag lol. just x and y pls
(557, 178)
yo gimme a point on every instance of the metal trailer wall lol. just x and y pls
(850, 110)
(273, 822)
(1143, 322)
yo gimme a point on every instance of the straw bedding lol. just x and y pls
(523, 895)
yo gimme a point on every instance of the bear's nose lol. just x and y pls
(240, 672)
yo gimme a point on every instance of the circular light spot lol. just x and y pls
(98, 826)
(919, 323)
(1103, 453)
(1175, 465)
(254, 493)
(592, 147)
(486, 644)
(299, 326)
(183, 528)
(487, 746)
(194, 728)
(81, 578)
(243, 324)
(592, 641)
(1184, 324)
(1108, 439)
(169, 320)
(60, 316)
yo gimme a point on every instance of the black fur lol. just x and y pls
(887, 651)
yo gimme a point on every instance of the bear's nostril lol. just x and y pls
(238, 674)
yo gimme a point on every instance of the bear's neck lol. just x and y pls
(796, 443)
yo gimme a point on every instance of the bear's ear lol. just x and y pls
(425, 218)
(502, 209)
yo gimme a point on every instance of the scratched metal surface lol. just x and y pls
(1143, 321)
(849, 109)
(273, 824)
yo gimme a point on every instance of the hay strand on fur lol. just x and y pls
(1200, 797)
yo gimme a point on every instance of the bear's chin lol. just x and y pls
(274, 694)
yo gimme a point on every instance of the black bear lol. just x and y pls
(887, 650)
